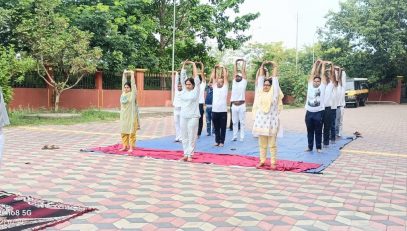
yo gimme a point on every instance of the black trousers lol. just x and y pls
(313, 120)
(200, 125)
(333, 125)
(327, 123)
(219, 120)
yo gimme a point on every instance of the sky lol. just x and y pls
(277, 20)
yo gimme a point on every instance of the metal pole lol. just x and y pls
(173, 54)
(296, 48)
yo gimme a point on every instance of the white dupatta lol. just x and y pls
(275, 113)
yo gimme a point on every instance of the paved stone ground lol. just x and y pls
(364, 189)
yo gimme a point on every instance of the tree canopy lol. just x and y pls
(139, 32)
(368, 38)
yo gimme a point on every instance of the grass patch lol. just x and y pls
(18, 118)
(293, 106)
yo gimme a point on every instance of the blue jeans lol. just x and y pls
(208, 115)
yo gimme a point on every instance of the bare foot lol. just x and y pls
(273, 166)
(259, 165)
(189, 159)
(221, 145)
(123, 149)
(308, 150)
(184, 158)
(130, 150)
(216, 144)
(319, 150)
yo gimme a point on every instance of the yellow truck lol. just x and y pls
(356, 92)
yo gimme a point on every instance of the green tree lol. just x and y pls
(121, 29)
(58, 47)
(368, 38)
(12, 66)
(139, 32)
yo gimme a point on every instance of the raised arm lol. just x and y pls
(194, 70)
(331, 72)
(323, 72)
(202, 69)
(213, 77)
(261, 70)
(337, 74)
(225, 76)
(124, 79)
(257, 77)
(176, 81)
(183, 75)
(133, 84)
(215, 71)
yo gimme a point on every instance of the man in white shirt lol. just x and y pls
(238, 99)
(315, 107)
(219, 105)
(177, 107)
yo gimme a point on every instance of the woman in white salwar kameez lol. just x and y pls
(4, 121)
(267, 106)
(189, 110)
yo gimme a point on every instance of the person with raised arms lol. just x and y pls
(189, 110)
(268, 103)
(237, 99)
(314, 107)
(219, 104)
(129, 121)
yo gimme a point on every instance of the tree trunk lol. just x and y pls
(56, 105)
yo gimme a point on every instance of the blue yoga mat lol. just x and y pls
(290, 147)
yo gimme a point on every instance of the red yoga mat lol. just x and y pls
(209, 158)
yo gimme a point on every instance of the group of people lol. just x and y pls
(325, 104)
(194, 95)
(190, 94)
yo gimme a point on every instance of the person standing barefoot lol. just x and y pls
(128, 112)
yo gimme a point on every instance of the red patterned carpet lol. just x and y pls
(28, 213)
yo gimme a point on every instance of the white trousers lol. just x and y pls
(1, 142)
(177, 123)
(339, 120)
(189, 130)
(238, 115)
